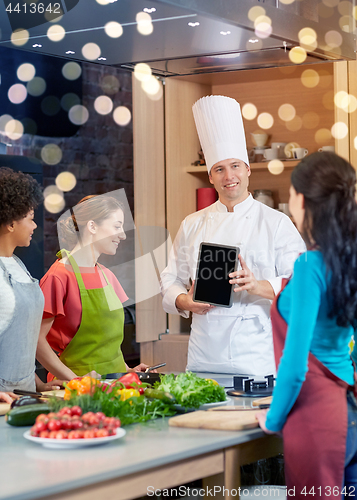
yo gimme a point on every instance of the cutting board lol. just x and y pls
(226, 421)
(263, 401)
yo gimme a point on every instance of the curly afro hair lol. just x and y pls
(19, 193)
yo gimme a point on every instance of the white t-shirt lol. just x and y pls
(7, 296)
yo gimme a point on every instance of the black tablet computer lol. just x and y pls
(215, 263)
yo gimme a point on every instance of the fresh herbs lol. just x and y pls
(190, 390)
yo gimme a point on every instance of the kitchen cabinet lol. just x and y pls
(166, 144)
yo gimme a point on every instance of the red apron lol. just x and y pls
(316, 428)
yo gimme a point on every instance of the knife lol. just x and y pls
(34, 394)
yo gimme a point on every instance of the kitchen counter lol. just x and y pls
(150, 454)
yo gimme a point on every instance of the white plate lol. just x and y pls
(206, 406)
(73, 443)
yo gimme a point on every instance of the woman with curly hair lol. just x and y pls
(21, 299)
(313, 319)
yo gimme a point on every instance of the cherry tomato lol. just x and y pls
(61, 435)
(40, 426)
(75, 435)
(141, 390)
(54, 425)
(65, 411)
(66, 423)
(77, 424)
(44, 434)
(100, 415)
(52, 434)
(93, 420)
(87, 416)
(102, 433)
(42, 418)
(76, 410)
(89, 434)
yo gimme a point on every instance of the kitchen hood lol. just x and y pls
(188, 36)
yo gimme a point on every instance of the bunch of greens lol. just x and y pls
(130, 411)
(190, 390)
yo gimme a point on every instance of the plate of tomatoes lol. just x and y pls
(69, 428)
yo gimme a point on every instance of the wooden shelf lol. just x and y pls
(192, 169)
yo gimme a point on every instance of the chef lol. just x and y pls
(236, 340)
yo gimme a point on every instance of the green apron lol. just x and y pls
(96, 345)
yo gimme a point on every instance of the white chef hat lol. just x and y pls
(220, 129)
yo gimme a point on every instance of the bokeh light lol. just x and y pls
(17, 93)
(54, 208)
(249, 111)
(323, 136)
(339, 130)
(51, 154)
(151, 85)
(310, 120)
(71, 71)
(14, 129)
(103, 2)
(50, 105)
(54, 17)
(287, 2)
(20, 37)
(78, 114)
(286, 112)
(110, 84)
(25, 72)
(4, 119)
(333, 39)
(346, 24)
(310, 78)
(265, 121)
(297, 55)
(69, 100)
(56, 33)
(103, 105)
(308, 38)
(262, 19)
(144, 23)
(263, 30)
(345, 8)
(91, 51)
(276, 167)
(122, 116)
(295, 124)
(341, 99)
(328, 100)
(36, 86)
(142, 72)
(66, 181)
(255, 12)
(113, 29)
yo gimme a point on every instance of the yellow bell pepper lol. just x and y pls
(127, 393)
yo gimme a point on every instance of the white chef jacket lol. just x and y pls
(237, 339)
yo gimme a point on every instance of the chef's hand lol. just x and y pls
(184, 302)
(140, 368)
(245, 280)
(8, 397)
(261, 417)
(53, 385)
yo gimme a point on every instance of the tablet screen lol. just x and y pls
(215, 263)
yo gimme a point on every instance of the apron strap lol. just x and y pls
(75, 267)
(103, 273)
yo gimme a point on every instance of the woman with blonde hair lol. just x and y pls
(83, 318)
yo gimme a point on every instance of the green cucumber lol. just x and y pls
(165, 397)
(26, 415)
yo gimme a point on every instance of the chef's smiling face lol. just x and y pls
(109, 233)
(23, 230)
(230, 179)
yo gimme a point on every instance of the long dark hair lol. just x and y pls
(328, 183)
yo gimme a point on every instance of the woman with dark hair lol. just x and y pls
(83, 318)
(313, 319)
(21, 300)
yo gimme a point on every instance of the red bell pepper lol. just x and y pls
(130, 380)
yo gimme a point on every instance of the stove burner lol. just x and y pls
(245, 386)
